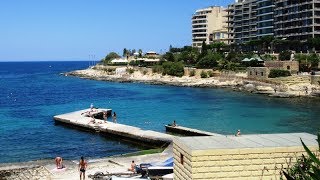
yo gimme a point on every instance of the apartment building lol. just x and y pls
(265, 10)
(297, 19)
(241, 21)
(208, 25)
(284, 19)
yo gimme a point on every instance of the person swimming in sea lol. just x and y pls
(238, 133)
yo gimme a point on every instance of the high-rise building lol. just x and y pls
(208, 25)
(265, 10)
(297, 19)
(242, 21)
(284, 19)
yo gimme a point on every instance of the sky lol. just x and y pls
(41, 30)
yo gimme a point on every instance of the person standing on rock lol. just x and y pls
(114, 117)
(82, 168)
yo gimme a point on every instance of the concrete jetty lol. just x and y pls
(188, 131)
(82, 120)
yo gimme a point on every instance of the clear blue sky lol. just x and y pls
(38, 30)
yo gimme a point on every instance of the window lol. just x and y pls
(181, 158)
(256, 73)
(288, 67)
(261, 73)
(250, 73)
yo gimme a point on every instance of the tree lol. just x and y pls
(140, 53)
(284, 55)
(125, 51)
(314, 60)
(169, 56)
(204, 48)
(173, 68)
(266, 42)
(111, 56)
(217, 46)
(209, 61)
(313, 43)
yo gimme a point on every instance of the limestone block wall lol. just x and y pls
(292, 66)
(258, 72)
(246, 163)
(315, 79)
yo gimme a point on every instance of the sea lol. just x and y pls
(31, 93)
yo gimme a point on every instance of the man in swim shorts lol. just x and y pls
(82, 167)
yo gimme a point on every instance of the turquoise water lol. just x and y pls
(32, 93)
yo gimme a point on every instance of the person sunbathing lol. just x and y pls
(132, 167)
(58, 161)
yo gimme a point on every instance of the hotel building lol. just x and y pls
(284, 19)
(208, 25)
(265, 17)
(241, 21)
(297, 19)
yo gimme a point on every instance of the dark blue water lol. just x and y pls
(31, 93)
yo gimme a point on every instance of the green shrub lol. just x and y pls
(203, 74)
(209, 60)
(173, 68)
(109, 69)
(192, 73)
(268, 57)
(130, 70)
(305, 167)
(134, 63)
(157, 69)
(284, 56)
(278, 73)
(210, 73)
(117, 64)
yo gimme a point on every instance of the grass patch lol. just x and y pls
(144, 152)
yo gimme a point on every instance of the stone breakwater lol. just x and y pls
(238, 82)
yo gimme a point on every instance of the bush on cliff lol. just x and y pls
(274, 73)
(173, 68)
(203, 74)
(110, 57)
(157, 69)
(192, 73)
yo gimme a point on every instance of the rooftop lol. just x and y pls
(248, 141)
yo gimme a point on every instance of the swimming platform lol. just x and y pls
(81, 120)
(149, 138)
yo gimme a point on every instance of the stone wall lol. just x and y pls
(37, 172)
(247, 163)
(258, 72)
(292, 66)
(315, 79)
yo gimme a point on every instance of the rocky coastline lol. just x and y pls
(237, 82)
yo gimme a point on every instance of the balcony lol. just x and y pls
(264, 7)
(264, 14)
(198, 33)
